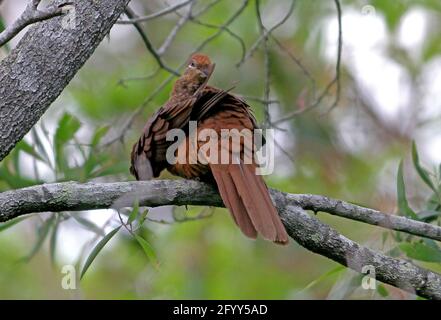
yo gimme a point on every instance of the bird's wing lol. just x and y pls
(148, 157)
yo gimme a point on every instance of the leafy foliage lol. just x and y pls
(421, 250)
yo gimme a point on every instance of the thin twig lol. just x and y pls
(297, 61)
(226, 29)
(267, 71)
(335, 81)
(259, 100)
(149, 45)
(266, 34)
(172, 35)
(156, 14)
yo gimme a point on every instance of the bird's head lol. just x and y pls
(199, 69)
(195, 77)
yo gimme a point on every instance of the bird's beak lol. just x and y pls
(207, 73)
(209, 70)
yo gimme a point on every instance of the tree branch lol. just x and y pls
(149, 45)
(156, 14)
(29, 16)
(302, 227)
(43, 63)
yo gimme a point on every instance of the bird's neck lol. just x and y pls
(184, 88)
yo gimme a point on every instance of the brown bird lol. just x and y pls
(243, 192)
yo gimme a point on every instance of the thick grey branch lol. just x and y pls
(45, 60)
(318, 237)
(74, 196)
(302, 227)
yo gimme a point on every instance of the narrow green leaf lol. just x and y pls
(98, 135)
(429, 214)
(382, 291)
(100, 245)
(148, 250)
(6, 225)
(431, 243)
(40, 147)
(143, 216)
(27, 148)
(67, 127)
(421, 251)
(403, 205)
(324, 276)
(53, 240)
(14, 181)
(134, 212)
(384, 237)
(88, 224)
(423, 173)
(42, 234)
(2, 25)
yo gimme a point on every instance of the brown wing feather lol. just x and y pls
(148, 156)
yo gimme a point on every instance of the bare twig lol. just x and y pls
(339, 53)
(223, 28)
(267, 71)
(259, 100)
(297, 61)
(266, 34)
(304, 228)
(30, 16)
(172, 35)
(149, 45)
(156, 14)
(334, 82)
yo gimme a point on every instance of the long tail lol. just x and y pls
(246, 196)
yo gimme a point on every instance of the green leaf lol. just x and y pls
(98, 135)
(40, 146)
(14, 181)
(148, 250)
(324, 276)
(2, 25)
(423, 173)
(384, 237)
(42, 234)
(134, 212)
(382, 291)
(67, 127)
(53, 240)
(100, 245)
(429, 214)
(403, 205)
(143, 216)
(421, 251)
(27, 148)
(88, 224)
(6, 225)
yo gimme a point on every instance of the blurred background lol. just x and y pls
(388, 96)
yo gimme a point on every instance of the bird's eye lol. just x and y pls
(192, 64)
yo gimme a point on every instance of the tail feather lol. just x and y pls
(247, 197)
(232, 201)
